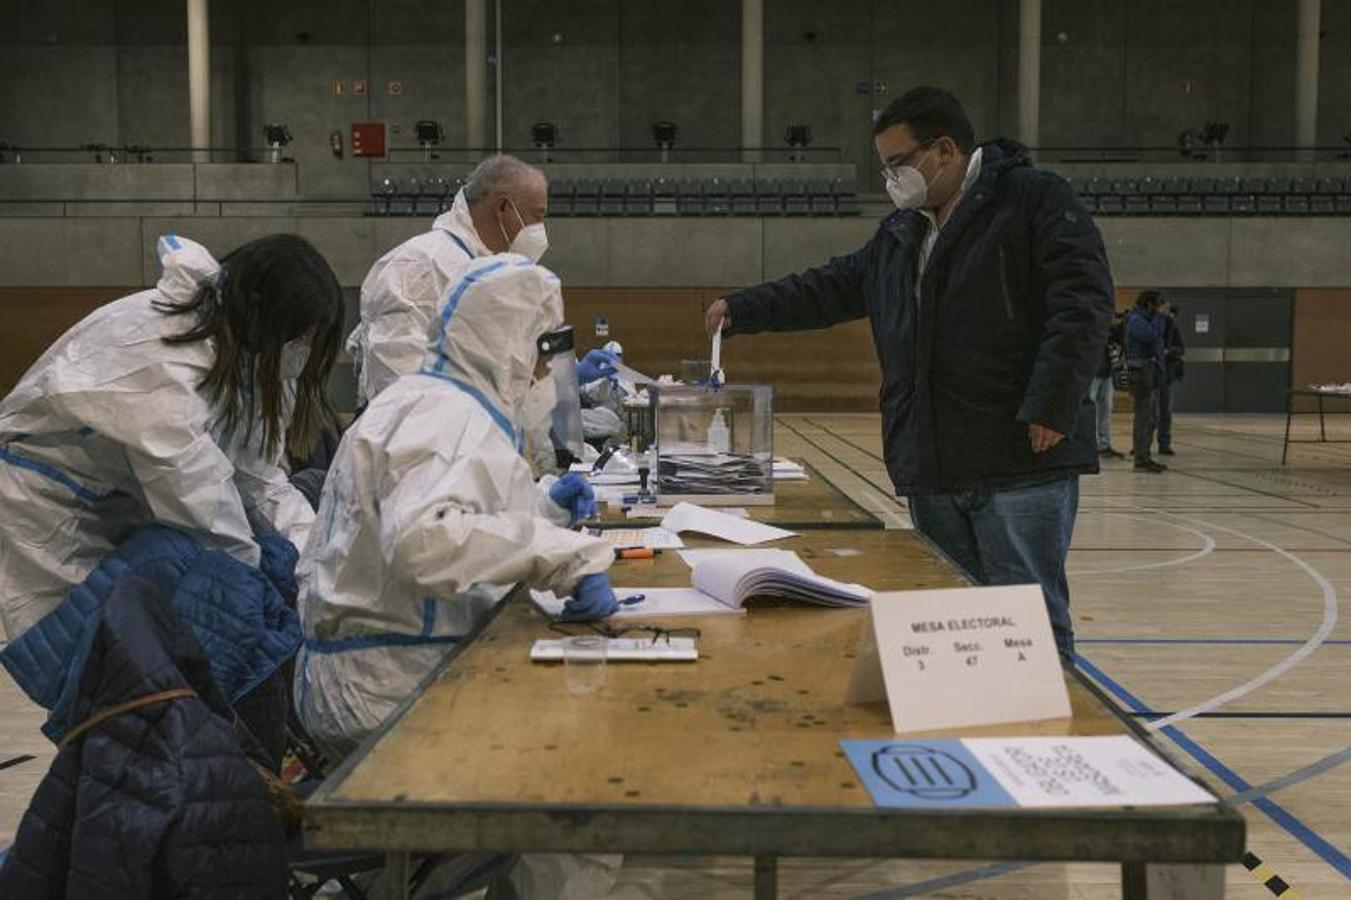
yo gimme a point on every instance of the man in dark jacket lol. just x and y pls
(1144, 356)
(1174, 349)
(1101, 390)
(990, 299)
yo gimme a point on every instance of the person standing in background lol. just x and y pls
(1101, 389)
(1144, 356)
(1174, 349)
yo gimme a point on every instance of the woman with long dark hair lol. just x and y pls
(175, 405)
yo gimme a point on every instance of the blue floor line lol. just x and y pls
(1293, 826)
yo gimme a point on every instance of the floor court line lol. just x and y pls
(1207, 547)
(1301, 653)
(1278, 814)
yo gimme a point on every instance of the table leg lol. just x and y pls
(766, 878)
(1322, 429)
(1289, 413)
(398, 873)
(1171, 882)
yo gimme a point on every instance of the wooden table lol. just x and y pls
(1322, 425)
(736, 754)
(812, 504)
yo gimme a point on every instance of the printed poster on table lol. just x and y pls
(1019, 772)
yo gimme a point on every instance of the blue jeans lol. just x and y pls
(1014, 536)
(1165, 414)
(1100, 392)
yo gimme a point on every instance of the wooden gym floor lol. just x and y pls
(1210, 600)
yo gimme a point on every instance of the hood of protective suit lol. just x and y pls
(489, 324)
(184, 265)
(458, 222)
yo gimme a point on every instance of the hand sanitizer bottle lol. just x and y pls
(719, 438)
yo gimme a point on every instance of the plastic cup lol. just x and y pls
(584, 660)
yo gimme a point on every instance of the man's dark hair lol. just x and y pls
(1149, 299)
(930, 113)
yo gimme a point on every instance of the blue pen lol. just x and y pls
(633, 599)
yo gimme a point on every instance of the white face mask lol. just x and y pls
(907, 188)
(294, 355)
(531, 241)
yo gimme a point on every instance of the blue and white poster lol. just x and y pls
(924, 774)
(1012, 772)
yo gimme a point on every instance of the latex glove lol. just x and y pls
(573, 493)
(597, 364)
(593, 598)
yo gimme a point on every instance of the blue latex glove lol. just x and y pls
(573, 493)
(592, 599)
(597, 364)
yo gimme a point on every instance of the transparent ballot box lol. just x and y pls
(714, 445)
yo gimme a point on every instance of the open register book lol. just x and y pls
(722, 580)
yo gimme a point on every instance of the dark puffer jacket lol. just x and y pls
(1017, 300)
(159, 801)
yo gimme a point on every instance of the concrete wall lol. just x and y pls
(1126, 71)
(118, 250)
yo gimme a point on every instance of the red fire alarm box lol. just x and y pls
(368, 138)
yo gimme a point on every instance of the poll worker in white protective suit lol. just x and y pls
(428, 500)
(427, 506)
(501, 207)
(174, 405)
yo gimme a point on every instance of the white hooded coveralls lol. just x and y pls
(109, 431)
(402, 294)
(428, 506)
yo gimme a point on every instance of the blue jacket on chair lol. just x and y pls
(239, 615)
(152, 796)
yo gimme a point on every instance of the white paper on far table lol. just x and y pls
(689, 517)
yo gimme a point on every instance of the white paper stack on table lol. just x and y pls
(722, 581)
(787, 470)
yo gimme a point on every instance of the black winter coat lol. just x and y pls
(1017, 302)
(158, 802)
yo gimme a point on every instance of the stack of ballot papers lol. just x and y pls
(709, 473)
(787, 470)
(722, 581)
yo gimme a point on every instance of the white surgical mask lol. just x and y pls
(907, 188)
(531, 241)
(294, 355)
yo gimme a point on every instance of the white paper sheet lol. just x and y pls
(688, 517)
(631, 375)
(785, 558)
(1083, 771)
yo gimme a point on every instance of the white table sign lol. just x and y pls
(960, 658)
